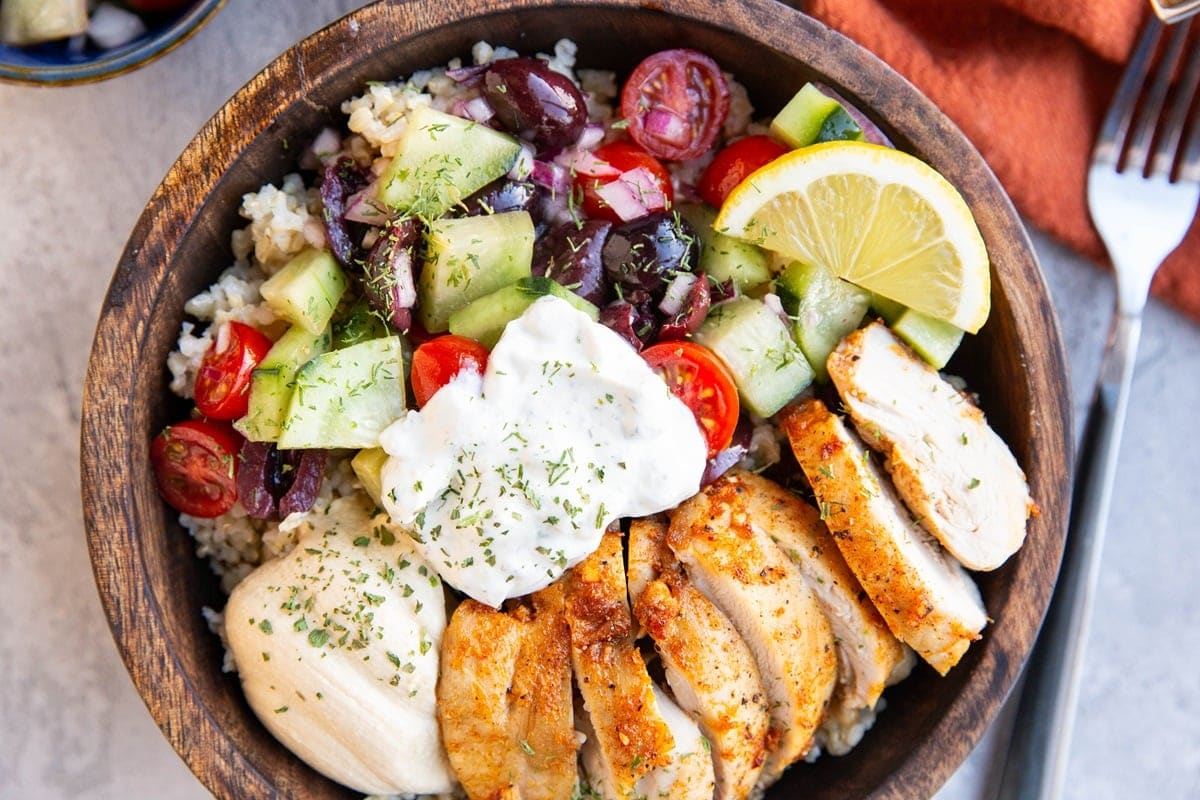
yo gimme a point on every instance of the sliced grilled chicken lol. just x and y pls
(728, 554)
(948, 465)
(870, 657)
(629, 739)
(504, 700)
(723, 692)
(925, 596)
(868, 653)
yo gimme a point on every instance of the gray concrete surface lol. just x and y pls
(76, 167)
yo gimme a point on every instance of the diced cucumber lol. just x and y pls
(442, 160)
(768, 367)
(345, 398)
(484, 319)
(272, 381)
(359, 323)
(368, 466)
(932, 339)
(722, 257)
(307, 290)
(468, 258)
(823, 307)
(812, 116)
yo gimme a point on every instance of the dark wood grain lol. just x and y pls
(153, 588)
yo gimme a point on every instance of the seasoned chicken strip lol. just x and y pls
(724, 693)
(728, 554)
(952, 470)
(870, 657)
(868, 653)
(504, 699)
(925, 596)
(629, 737)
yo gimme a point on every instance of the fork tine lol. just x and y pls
(1138, 149)
(1120, 113)
(1189, 84)
(1173, 125)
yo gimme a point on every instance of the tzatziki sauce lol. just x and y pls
(508, 480)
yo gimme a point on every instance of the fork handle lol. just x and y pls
(1039, 744)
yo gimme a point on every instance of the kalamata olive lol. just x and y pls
(571, 255)
(388, 272)
(503, 195)
(340, 179)
(635, 323)
(535, 102)
(274, 482)
(646, 252)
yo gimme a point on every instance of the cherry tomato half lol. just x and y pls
(622, 156)
(731, 166)
(223, 380)
(675, 103)
(195, 466)
(435, 363)
(697, 377)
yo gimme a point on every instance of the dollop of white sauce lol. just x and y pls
(507, 481)
(337, 645)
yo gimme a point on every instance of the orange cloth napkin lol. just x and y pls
(1028, 81)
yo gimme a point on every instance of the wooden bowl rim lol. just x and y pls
(111, 513)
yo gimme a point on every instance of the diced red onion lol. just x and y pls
(467, 75)
(479, 109)
(323, 150)
(665, 124)
(524, 163)
(622, 199)
(554, 177)
(583, 162)
(676, 293)
(645, 184)
(592, 136)
(722, 462)
(363, 207)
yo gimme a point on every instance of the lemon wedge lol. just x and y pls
(877, 217)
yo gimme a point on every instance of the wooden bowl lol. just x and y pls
(153, 586)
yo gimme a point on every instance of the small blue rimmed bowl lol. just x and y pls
(56, 64)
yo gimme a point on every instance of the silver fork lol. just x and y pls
(1143, 188)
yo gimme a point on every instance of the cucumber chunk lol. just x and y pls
(468, 258)
(359, 323)
(722, 257)
(345, 398)
(307, 290)
(932, 339)
(442, 160)
(768, 367)
(485, 319)
(824, 309)
(272, 381)
(368, 466)
(812, 116)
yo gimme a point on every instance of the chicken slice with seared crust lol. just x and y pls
(870, 657)
(723, 692)
(954, 472)
(629, 738)
(924, 595)
(729, 555)
(504, 699)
